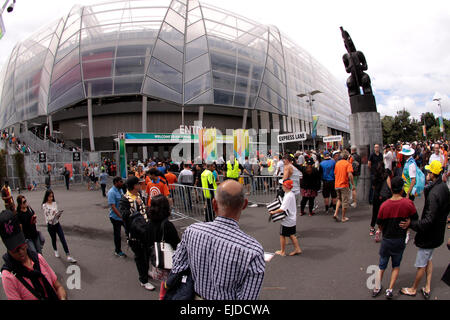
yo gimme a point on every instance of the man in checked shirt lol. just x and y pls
(226, 263)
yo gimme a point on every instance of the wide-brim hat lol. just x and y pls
(407, 151)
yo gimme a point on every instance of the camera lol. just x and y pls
(11, 6)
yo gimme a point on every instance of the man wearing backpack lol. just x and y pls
(410, 173)
(133, 211)
(355, 160)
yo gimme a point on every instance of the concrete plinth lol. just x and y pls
(365, 132)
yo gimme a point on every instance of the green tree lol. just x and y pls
(428, 119)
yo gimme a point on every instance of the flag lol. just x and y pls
(314, 130)
(425, 131)
(441, 124)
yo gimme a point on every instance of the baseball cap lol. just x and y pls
(10, 231)
(335, 153)
(288, 184)
(326, 154)
(435, 167)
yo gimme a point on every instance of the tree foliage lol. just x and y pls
(403, 127)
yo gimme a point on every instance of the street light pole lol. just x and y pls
(310, 100)
(442, 115)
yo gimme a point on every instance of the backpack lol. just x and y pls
(420, 183)
(356, 167)
(136, 223)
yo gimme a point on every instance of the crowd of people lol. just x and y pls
(15, 142)
(142, 206)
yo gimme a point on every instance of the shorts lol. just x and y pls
(328, 189)
(391, 248)
(344, 196)
(288, 231)
(247, 180)
(355, 180)
(423, 257)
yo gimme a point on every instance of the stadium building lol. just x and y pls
(155, 65)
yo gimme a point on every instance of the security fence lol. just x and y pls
(36, 171)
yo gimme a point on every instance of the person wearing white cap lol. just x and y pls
(409, 172)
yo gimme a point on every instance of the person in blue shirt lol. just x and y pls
(114, 196)
(103, 180)
(161, 168)
(327, 173)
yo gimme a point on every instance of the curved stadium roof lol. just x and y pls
(182, 51)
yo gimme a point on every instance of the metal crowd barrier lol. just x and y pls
(190, 202)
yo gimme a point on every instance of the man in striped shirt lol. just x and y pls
(226, 263)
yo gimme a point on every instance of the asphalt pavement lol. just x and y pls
(333, 265)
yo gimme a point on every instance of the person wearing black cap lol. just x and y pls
(25, 274)
(133, 211)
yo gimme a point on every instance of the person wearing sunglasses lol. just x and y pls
(25, 274)
(27, 219)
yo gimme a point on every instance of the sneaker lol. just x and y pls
(148, 286)
(389, 294)
(70, 259)
(372, 232)
(378, 236)
(376, 292)
(57, 254)
(120, 254)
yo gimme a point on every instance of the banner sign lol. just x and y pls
(314, 130)
(76, 157)
(207, 142)
(2, 27)
(441, 124)
(42, 157)
(292, 137)
(425, 131)
(332, 139)
(241, 144)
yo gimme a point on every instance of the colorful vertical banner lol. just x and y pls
(425, 131)
(441, 124)
(315, 122)
(241, 144)
(122, 158)
(207, 141)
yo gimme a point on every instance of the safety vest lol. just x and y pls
(233, 173)
(271, 167)
(208, 182)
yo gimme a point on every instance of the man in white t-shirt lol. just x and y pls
(280, 167)
(388, 157)
(288, 224)
(437, 155)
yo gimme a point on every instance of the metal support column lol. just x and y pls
(144, 125)
(90, 119)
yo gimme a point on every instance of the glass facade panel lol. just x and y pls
(224, 81)
(224, 98)
(172, 36)
(98, 69)
(196, 48)
(67, 81)
(169, 55)
(67, 63)
(223, 63)
(196, 67)
(130, 84)
(175, 20)
(67, 46)
(197, 86)
(244, 100)
(73, 95)
(195, 30)
(246, 85)
(179, 8)
(99, 87)
(194, 15)
(204, 98)
(166, 75)
(158, 90)
(129, 66)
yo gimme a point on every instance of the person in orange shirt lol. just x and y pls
(343, 175)
(171, 180)
(156, 186)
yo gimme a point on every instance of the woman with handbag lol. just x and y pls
(382, 192)
(165, 239)
(27, 219)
